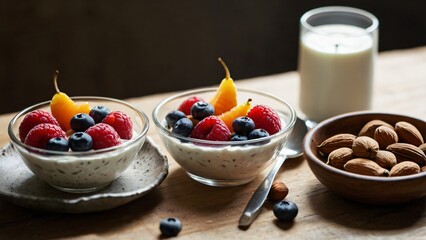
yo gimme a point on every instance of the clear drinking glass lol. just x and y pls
(338, 47)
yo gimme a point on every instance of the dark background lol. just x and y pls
(133, 48)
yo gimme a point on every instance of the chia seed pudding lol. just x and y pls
(80, 172)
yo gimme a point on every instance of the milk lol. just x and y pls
(336, 67)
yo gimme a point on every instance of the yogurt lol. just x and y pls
(225, 162)
(82, 172)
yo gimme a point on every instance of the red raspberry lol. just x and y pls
(121, 122)
(39, 135)
(266, 118)
(103, 136)
(211, 128)
(186, 105)
(32, 119)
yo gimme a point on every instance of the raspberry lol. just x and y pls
(103, 136)
(121, 122)
(32, 119)
(42, 133)
(211, 128)
(186, 105)
(266, 118)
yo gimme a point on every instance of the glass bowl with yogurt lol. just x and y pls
(82, 172)
(224, 163)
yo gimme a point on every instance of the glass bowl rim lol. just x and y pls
(288, 127)
(21, 113)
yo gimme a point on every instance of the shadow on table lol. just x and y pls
(363, 216)
(45, 225)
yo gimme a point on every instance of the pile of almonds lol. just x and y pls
(380, 149)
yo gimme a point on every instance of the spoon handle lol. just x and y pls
(254, 206)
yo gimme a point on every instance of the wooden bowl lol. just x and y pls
(361, 188)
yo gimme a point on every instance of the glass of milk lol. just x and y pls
(338, 47)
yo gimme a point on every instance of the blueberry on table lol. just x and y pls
(81, 122)
(173, 116)
(285, 210)
(243, 125)
(57, 144)
(80, 142)
(183, 127)
(257, 133)
(201, 110)
(170, 227)
(98, 113)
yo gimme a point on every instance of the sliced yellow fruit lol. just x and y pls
(226, 95)
(63, 108)
(237, 111)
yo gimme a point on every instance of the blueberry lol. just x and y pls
(80, 142)
(183, 127)
(201, 110)
(285, 210)
(170, 227)
(173, 116)
(57, 144)
(243, 125)
(238, 137)
(258, 133)
(98, 113)
(81, 121)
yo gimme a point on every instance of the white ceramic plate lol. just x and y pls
(20, 186)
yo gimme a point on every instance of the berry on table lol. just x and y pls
(201, 110)
(211, 128)
(285, 210)
(103, 136)
(98, 113)
(80, 142)
(243, 125)
(121, 122)
(173, 116)
(32, 119)
(57, 144)
(42, 133)
(183, 127)
(170, 227)
(266, 118)
(81, 121)
(186, 105)
(257, 133)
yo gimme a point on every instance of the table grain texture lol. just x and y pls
(213, 213)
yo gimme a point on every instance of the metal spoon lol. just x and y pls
(292, 149)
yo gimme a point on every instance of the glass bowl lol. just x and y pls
(81, 172)
(224, 163)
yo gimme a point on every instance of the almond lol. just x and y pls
(385, 159)
(369, 128)
(365, 147)
(385, 136)
(335, 142)
(423, 169)
(365, 167)
(407, 152)
(278, 191)
(404, 168)
(423, 147)
(408, 133)
(339, 157)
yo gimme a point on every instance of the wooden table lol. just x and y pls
(209, 212)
